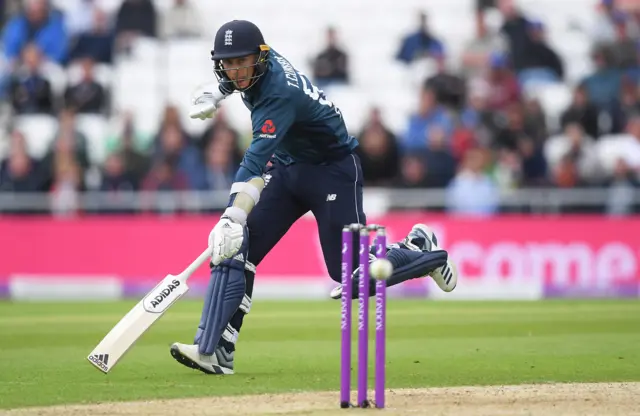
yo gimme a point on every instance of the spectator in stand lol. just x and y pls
(219, 166)
(88, 96)
(582, 111)
(477, 117)
(165, 176)
(504, 90)
(627, 104)
(515, 129)
(186, 158)
(473, 191)
(413, 173)
(220, 123)
(67, 125)
(482, 6)
(477, 53)
(30, 91)
(66, 186)
(603, 86)
(180, 21)
(116, 182)
(331, 65)
(78, 17)
(419, 44)
(39, 24)
(565, 173)
(378, 151)
(516, 30)
(64, 160)
(115, 176)
(634, 72)
(449, 88)
(580, 148)
(429, 114)
(604, 30)
(440, 165)
(624, 47)
(97, 42)
(68, 152)
(629, 144)
(535, 120)
(171, 119)
(541, 64)
(533, 169)
(227, 135)
(18, 172)
(135, 18)
(623, 185)
(506, 169)
(136, 163)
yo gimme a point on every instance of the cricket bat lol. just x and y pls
(138, 320)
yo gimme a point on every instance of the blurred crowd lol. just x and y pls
(476, 131)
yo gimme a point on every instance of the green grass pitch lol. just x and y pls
(294, 346)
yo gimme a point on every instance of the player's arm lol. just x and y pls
(206, 98)
(271, 119)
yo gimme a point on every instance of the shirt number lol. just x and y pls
(315, 93)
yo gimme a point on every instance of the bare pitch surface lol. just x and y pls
(290, 351)
(532, 400)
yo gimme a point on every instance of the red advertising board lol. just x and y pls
(561, 256)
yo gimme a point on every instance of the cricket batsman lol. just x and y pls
(313, 168)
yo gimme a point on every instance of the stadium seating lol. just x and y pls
(160, 73)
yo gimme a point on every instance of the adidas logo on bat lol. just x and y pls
(159, 299)
(101, 360)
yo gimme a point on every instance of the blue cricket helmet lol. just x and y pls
(236, 39)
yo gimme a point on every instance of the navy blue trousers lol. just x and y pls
(332, 192)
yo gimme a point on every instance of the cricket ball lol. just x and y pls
(380, 269)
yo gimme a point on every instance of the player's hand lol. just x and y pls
(225, 239)
(205, 101)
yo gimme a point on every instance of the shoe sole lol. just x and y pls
(188, 362)
(449, 270)
(445, 275)
(336, 292)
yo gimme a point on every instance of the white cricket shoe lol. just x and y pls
(189, 355)
(422, 238)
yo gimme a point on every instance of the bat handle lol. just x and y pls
(196, 263)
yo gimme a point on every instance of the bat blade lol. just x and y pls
(136, 322)
(139, 319)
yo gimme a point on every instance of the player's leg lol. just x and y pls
(224, 296)
(335, 197)
(336, 200)
(417, 255)
(269, 221)
(214, 343)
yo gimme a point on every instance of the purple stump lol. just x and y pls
(345, 326)
(381, 309)
(363, 318)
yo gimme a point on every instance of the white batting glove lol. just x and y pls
(205, 101)
(225, 239)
